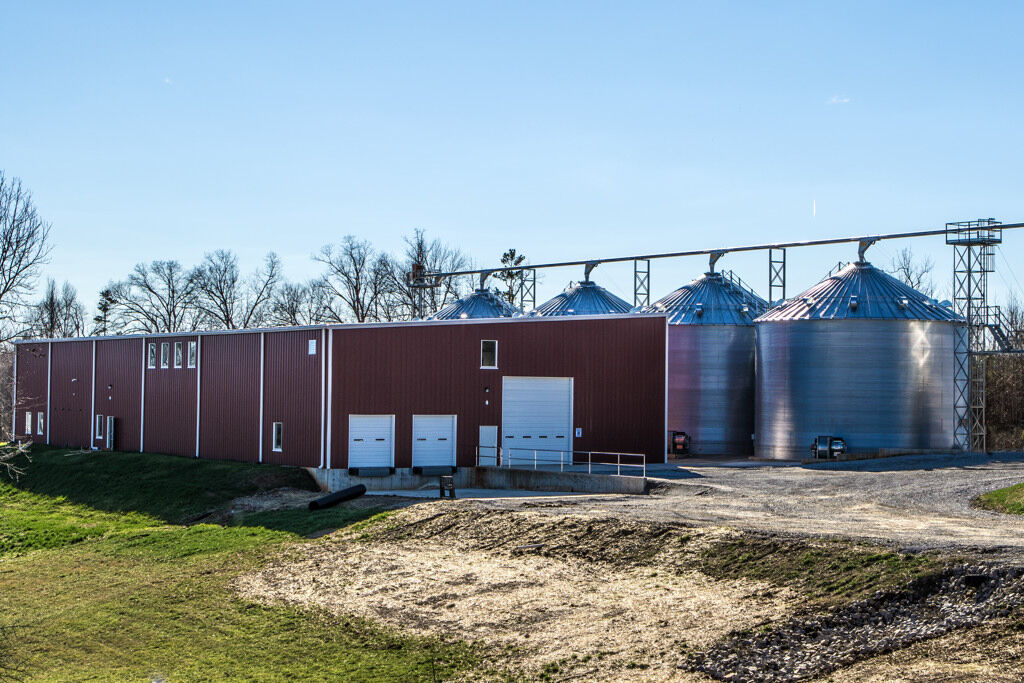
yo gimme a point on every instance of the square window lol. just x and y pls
(165, 355)
(489, 354)
(278, 436)
(40, 423)
(177, 354)
(99, 426)
(151, 356)
(28, 424)
(191, 354)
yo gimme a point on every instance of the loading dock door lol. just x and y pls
(536, 415)
(433, 440)
(371, 440)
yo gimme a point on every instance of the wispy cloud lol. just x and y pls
(168, 81)
(838, 99)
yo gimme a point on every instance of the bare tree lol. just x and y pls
(24, 249)
(435, 257)
(228, 300)
(159, 297)
(353, 282)
(297, 303)
(915, 273)
(58, 314)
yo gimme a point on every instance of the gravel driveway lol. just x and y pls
(914, 502)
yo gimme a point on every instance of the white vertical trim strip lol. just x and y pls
(14, 397)
(668, 444)
(199, 386)
(330, 391)
(92, 410)
(49, 366)
(142, 398)
(323, 392)
(263, 339)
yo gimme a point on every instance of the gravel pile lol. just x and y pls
(803, 648)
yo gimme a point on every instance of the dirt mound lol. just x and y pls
(558, 595)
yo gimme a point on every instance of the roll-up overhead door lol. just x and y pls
(536, 419)
(371, 440)
(433, 441)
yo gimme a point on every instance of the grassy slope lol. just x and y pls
(1010, 499)
(103, 584)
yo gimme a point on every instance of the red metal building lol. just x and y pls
(366, 396)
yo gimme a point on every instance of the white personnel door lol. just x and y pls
(433, 440)
(488, 446)
(536, 420)
(371, 440)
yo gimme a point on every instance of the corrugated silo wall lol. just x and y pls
(617, 366)
(30, 388)
(119, 364)
(230, 405)
(292, 396)
(71, 394)
(170, 401)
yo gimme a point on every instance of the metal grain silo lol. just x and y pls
(711, 363)
(582, 298)
(483, 303)
(860, 356)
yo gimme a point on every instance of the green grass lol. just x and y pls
(104, 583)
(1009, 500)
(824, 571)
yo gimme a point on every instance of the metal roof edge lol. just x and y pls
(350, 326)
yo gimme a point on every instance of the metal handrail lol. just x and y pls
(501, 461)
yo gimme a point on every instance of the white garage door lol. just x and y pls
(371, 440)
(536, 415)
(433, 440)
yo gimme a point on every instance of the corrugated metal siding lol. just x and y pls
(118, 390)
(171, 403)
(230, 405)
(71, 394)
(618, 366)
(291, 390)
(31, 386)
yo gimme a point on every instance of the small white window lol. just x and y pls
(40, 423)
(191, 354)
(312, 347)
(165, 355)
(489, 354)
(99, 426)
(177, 354)
(28, 424)
(278, 436)
(151, 357)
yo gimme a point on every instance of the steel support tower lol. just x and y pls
(642, 282)
(973, 245)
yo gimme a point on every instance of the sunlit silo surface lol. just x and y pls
(860, 356)
(483, 303)
(582, 298)
(710, 390)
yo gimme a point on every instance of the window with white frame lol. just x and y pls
(151, 356)
(165, 355)
(40, 423)
(278, 437)
(191, 354)
(488, 354)
(28, 424)
(177, 354)
(99, 426)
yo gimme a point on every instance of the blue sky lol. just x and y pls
(566, 130)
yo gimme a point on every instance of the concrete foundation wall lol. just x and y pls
(486, 478)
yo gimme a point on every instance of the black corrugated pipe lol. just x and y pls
(337, 497)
